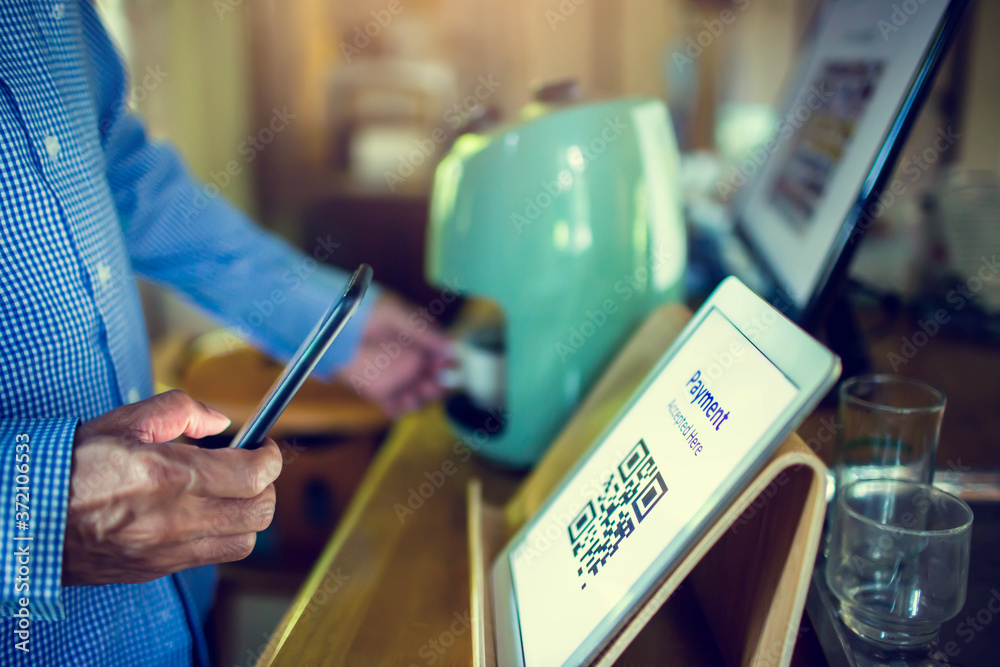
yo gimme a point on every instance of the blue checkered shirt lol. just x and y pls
(87, 202)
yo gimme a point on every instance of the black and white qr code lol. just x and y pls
(625, 499)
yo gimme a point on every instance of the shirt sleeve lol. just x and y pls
(35, 460)
(184, 234)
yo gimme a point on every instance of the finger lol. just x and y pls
(170, 526)
(162, 418)
(212, 550)
(439, 363)
(410, 402)
(402, 373)
(392, 406)
(221, 517)
(429, 390)
(403, 397)
(418, 395)
(233, 473)
(427, 383)
(192, 553)
(436, 342)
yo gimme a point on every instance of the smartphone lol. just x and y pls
(304, 361)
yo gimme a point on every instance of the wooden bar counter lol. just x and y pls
(391, 588)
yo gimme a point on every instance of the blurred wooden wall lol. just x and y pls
(612, 47)
(232, 62)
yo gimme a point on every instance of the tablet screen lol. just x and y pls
(665, 462)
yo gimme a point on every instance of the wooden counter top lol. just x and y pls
(391, 588)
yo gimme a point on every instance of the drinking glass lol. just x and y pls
(899, 560)
(889, 428)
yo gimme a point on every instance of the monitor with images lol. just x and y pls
(856, 92)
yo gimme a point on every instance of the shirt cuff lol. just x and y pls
(37, 455)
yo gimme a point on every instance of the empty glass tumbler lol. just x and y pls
(898, 560)
(888, 427)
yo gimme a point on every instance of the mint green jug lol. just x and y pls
(570, 221)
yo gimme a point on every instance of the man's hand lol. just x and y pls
(141, 507)
(401, 352)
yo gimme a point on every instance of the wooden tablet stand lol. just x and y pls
(746, 579)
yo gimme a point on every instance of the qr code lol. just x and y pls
(625, 499)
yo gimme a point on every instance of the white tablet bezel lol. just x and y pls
(809, 365)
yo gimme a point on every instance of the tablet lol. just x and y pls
(734, 384)
(302, 364)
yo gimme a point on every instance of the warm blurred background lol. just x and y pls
(301, 112)
(361, 95)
